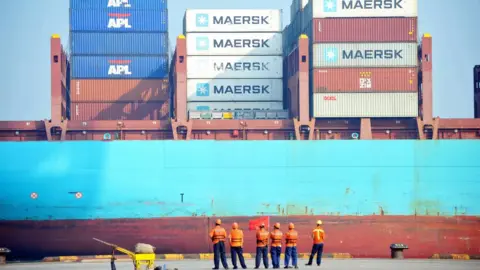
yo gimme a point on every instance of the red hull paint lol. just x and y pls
(361, 236)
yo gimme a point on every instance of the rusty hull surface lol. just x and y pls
(402, 128)
(361, 236)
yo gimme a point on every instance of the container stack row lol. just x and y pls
(476, 90)
(119, 60)
(363, 56)
(234, 61)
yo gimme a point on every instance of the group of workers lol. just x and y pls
(219, 236)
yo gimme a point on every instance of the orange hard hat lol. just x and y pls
(319, 222)
(218, 222)
(235, 225)
(291, 226)
(277, 225)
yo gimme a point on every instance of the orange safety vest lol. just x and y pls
(236, 238)
(262, 238)
(276, 237)
(318, 236)
(291, 238)
(218, 234)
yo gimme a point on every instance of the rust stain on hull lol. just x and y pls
(361, 236)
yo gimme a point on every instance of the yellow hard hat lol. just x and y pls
(319, 222)
(277, 225)
(291, 226)
(218, 222)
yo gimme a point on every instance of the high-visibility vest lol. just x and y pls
(262, 238)
(318, 236)
(236, 238)
(276, 237)
(218, 234)
(291, 238)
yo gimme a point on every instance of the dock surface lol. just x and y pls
(330, 264)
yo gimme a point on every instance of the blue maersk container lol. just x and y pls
(119, 67)
(82, 43)
(125, 4)
(118, 20)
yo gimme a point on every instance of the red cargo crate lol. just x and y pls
(112, 90)
(87, 111)
(365, 80)
(364, 30)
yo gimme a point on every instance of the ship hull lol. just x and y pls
(56, 196)
(361, 236)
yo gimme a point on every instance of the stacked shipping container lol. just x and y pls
(234, 59)
(119, 59)
(363, 56)
(476, 91)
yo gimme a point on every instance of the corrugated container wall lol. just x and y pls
(296, 6)
(357, 8)
(112, 20)
(365, 80)
(125, 67)
(235, 90)
(111, 90)
(365, 55)
(476, 78)
(234, 67)
(119, 111)
(120, 58)
(292, 63)
(234, 43)
(119, 43)
(230, 106)
(233, 20)
(125, 4)
(365, 105)
(362, 30)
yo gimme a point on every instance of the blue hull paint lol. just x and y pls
(144, 179)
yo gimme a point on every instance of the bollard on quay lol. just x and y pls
(3, 255)
(397, 250)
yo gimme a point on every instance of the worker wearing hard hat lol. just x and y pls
(218, 235)
(236, 244)
(262, 247)
(291, 238)
(318, 236)
(276, 245)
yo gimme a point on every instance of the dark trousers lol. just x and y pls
(239, 251)
(316, 249)
(219, 252)
(262, 252)
(291, 252)
(275, 253)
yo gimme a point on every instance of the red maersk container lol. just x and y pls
(326, 80)
(87, 111)
(113, 90)
(363, 30)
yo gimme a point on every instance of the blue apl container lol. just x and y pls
(125, 4)
(124, 67)
(117, 20)
(118, 43)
